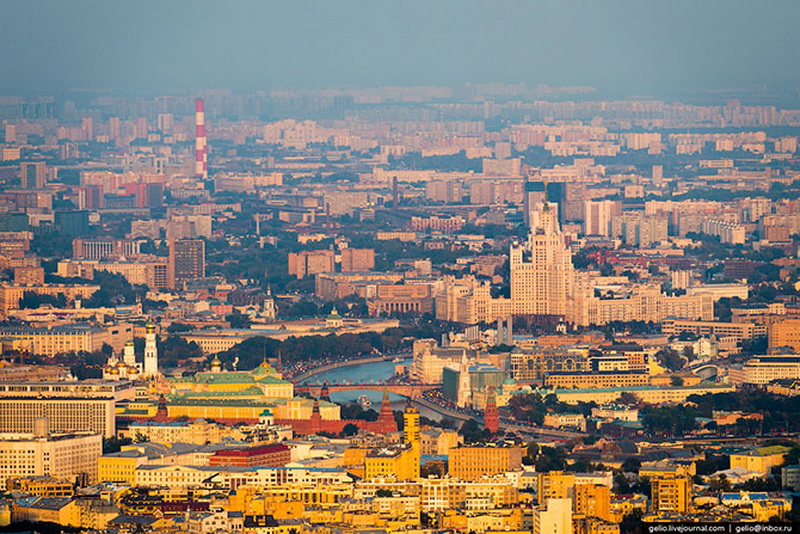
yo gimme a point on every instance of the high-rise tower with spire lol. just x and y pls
(542, 275)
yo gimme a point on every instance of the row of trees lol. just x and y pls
(780, 414)
(531, 407)
(251, 352)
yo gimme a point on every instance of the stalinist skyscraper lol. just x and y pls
(542, 276)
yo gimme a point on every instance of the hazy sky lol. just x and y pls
(620, 46)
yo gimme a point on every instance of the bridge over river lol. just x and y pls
(412, 391)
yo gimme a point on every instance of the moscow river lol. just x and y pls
(363, 373)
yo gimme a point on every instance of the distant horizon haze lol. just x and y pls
(621, 47)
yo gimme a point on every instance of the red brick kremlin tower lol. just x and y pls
(385, 422)
(491, 419)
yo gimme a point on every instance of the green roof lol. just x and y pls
(249, 392)
(272, 380)
(769, 451)
(263, 375)
(223, 378)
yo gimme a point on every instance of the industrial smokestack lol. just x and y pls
(200, 144)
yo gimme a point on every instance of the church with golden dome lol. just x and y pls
(127, 368)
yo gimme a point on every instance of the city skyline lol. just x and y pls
(377, 268)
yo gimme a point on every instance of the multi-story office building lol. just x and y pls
(671, 493)
(437, 224)
(358, 260)
(65, 414)
(647, 394)
(66, 456)
(153, 274)
(790, 477)
(447, 191)
(311, 262)
(438, 440)
(398, 460)
(333, 286)
(33, 175)
(741, 331)
(785, 334)
(592, 500)
(469, 301)
(106, 248)
(765, 369)
(64, 339)
(640, 304)
(474, 461)
(609, 379)
(728, 232)
(555, 517)
(28, 276)
(11, 294)
(92, 388)
(638, 229)
(554, 485)
(41, 486)
(187, 261)
(597, 216)
(760, 459)
(404, 299)
(528, 366)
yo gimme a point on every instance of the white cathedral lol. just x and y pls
(128, 368)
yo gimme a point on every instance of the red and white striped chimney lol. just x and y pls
(200, 143)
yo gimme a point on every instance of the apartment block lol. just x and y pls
(357, 260)
(311, 262)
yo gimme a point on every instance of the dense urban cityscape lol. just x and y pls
(428, 309)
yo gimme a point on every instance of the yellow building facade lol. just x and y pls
(399, 460)
(474, 462)
(761, 459)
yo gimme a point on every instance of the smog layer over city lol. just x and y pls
(410, 267)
